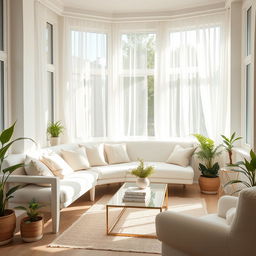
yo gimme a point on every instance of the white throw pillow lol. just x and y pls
(77, 159)
(95, 154)
(116, 153)
(57, 165)
(180, 156)
(230, 215)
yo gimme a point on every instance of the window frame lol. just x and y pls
(51, 67)
(145, 73)
(4, 59)
(248, 59)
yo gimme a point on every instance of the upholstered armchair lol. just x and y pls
(232, 231)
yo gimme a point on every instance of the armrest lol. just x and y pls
(191, 235)
(54, 181)
(225, 203)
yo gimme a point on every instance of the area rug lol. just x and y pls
(89, 231)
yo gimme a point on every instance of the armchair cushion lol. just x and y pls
(225, 203)
(192, 235)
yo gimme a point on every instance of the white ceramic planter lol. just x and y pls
(142, 182)
(54, 141)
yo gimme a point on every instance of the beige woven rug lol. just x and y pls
(89, 231)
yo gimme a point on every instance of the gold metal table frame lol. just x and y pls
(110, 228)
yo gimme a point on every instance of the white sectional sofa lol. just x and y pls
(63, 192)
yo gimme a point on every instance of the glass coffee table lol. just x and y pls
(158, 199)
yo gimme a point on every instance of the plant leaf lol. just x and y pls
(12, 190)
(7, 134)
(11, 169)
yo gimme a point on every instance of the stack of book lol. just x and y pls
(135, 194)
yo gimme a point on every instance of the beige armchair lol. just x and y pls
(232, 231)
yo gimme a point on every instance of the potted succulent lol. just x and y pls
(248, 169)
(143, 173)
(7, 216)
(31, 227)
(228, 144)
(54, 129)
(209, 180)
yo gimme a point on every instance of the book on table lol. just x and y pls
(135, 194)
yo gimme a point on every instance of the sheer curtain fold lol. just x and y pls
(160, 79)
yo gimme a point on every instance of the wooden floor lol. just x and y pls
(73, 212)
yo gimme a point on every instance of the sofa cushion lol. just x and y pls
(71, 187)
(57, 165)
(95, 154)
(169, 171)
(114, 171)
(77, 159)
(116, 153)
(181, 156)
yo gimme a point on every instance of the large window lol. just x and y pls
(3, 62)
(248, 78)
(137, 79)
(50, 78)
(89, 84)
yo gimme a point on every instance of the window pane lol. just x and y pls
(89, 84)
(249, 105)
(49, 43)
(1, 95)
(1, 25)
(249, 30)
(50, 96)
(137, 77)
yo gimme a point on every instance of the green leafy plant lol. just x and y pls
(55, 129)
(6, 143)
(248, 168)
(229, 144)
(31, 210)
(207, 153)
(141, 171)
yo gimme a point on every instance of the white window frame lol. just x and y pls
(52, 67)
(248, 60)
(4, 58)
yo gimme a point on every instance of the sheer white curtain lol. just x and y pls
(86, 84)
(136, 73)
(194, 98)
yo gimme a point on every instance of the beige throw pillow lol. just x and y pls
(95, 154)
(35, 167)
(57, 165)
(77, 159)
(116, 153)
(180, 156)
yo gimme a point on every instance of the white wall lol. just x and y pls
(22, 70)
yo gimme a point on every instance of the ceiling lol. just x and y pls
(135, 6)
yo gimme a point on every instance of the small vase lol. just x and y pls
(54, 141)
(142, 182)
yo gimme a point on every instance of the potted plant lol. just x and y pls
(209, 180)
(7, 216)
(248, 169)
(143, 173)
(31, 227)
(229, 144)
(54, 129)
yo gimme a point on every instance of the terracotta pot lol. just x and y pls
(31, 231)
(142, 182)
(209, 185)
(7, 227)
(54, 141)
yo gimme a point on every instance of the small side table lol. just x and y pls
(227, 175)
